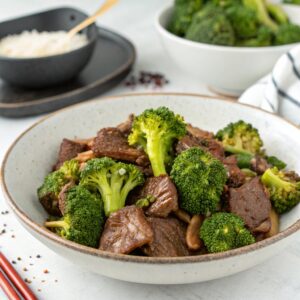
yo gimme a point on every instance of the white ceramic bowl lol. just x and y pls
(31, 156)
(228, 70)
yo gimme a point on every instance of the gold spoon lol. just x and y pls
(90, 20)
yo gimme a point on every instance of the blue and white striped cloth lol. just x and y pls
(279, 92)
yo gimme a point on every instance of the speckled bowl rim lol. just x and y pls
(131, 258)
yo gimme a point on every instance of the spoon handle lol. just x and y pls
(90, 20)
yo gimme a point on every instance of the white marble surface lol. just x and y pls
(276, 279)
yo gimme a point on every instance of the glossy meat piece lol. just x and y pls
(68, 150)
(259, 165)
(62, 196)
(264, 227)
(164, 191)
(292, 175)
(169, 238)
(185, 143)
(50, 204)
(250, 202)
(235, 175)
(126, 230)
(147, 170)
(199, 133)
(125, 127)
(112, 143)
(210, 145)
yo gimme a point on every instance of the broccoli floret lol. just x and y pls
(243, 21)
(156, 130)
(287, 34)
(212, 28)
(54, 182)
(83, 219)
(70, 169)
(277, 13)
(224, 231)
(261, 11)
(240, 137)
(51, 187)
(276, 162)
(200, 179)
(209, 10)
(264, 38)
(226, 3)
(114, 180)
(183, 12)
(291, 1)
(284, 191)
(244, 160)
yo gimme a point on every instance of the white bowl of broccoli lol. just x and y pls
(223, 46)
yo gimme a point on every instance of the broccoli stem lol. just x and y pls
(236, 150)
(156, 155)
(248, 172)
(55, 224)
(277, 13)
(244, 160)
(116, 201)
(105, 191)
(259, 7)
(271, 179)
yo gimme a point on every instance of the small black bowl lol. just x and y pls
(46, 71)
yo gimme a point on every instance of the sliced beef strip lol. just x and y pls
(264, 227)
(68, 150)
(62, 196)
(165, 194)
(199, 133)
(185, 143)
(147, 170)
(126, 126)
(215, 148)
(235, 175)
(169, 238)
(210, 145)
(250, 202)
(50, 204)
(292, 175)
(126, 230)
(112, 143)
(259, 165)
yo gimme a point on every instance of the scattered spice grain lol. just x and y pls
(146, 79)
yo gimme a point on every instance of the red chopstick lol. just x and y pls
(15, 279)
(7, 288)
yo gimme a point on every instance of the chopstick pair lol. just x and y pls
(11, 282)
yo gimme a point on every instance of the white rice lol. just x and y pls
(30, 44)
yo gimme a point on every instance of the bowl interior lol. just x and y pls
(33, 154)
(52, 20)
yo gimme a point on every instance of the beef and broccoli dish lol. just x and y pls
(240, 23)
(158, 186)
